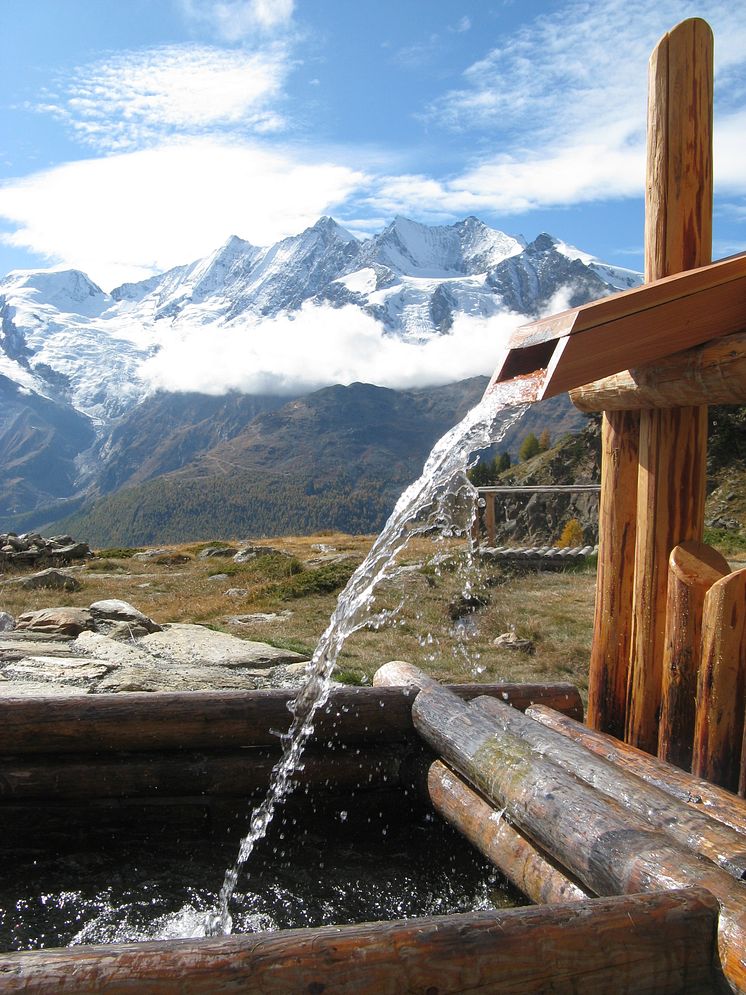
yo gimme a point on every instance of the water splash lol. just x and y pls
(442, 500)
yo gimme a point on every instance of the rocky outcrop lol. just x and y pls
(111, 647)
(31, 548)
(50, 578)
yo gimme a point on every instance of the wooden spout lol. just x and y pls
(629, 329)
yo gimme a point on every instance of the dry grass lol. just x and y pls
(553, 610)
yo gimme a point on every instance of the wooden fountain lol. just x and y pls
(628, 833)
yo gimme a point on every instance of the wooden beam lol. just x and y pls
(227, 719)
(609, 849)
(694, 830)
(694, 791)
(527, 869)
(693, 568)
(714, 373)
(612, 619)
(612, 945)
(185, 774)
(721, 690)
(673, 442)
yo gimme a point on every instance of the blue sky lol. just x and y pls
(138, 135)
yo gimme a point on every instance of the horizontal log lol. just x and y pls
(142, 721)
(713, 373)
(635, 945)
(609, 849)
(189, 774)
(527, 869)
(690, 828)
(717, 802)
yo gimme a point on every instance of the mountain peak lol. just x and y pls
(327, 226)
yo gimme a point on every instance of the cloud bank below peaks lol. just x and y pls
(319, 346)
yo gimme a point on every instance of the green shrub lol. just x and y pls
(326, 579)
(119, 552)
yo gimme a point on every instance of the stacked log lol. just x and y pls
(558, 800)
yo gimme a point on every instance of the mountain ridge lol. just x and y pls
(71, 348)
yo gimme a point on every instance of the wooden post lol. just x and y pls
(701, 795)
(530, 871)
(690, 828)
(692, 570)
(660, 944)
(612, 623)
(678, 236)
(490, 523)
(721, 692)
(602, 844)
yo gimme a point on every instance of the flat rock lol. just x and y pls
(225, 552)
(154, 678)
(112, 651)
(56, 580)
(510, 641)
(236, 592)
(38, 689)
(74, 670)
(194, 644)
(58, 621)
(113, 610)
(252, 552)
(258, 618)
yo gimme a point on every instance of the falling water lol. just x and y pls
(441, 499)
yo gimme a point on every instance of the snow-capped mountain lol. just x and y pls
(65, 342)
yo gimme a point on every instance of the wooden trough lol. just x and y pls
(628, 833)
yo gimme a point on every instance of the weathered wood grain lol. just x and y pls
(721, 690)
(693, 568)
(694, 791)
(714, 373)
(222, 720)
(612, 620)
(635, 945)
(673, 442)
(694, 830)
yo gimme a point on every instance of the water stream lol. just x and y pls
(441, 499)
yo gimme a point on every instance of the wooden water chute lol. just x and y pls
(668, 661)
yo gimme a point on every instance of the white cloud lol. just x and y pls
(564, 101)
(140, 97)
(235, 20)
(318, 346)
(127, 216)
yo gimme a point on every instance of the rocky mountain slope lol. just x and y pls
(81, 419)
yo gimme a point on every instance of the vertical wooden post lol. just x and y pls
(489, 519)
(692, 570)
(678, 236)
(612, 625)
(721, 691)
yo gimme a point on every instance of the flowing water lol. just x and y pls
(441, 499)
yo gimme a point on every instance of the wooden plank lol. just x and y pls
(658, 294)
(528, 870)
(692, 829)
(721, 690)
(612, 620)
(714, 373)
(673, 443)
(609, 849)
(610, 945)
(490, 523)
(188, 774)
(226, 719)
(702, 795)
(693, 568)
